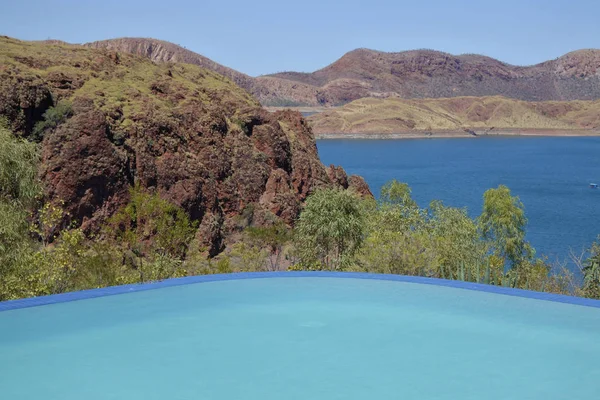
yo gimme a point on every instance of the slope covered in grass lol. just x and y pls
(402, 115)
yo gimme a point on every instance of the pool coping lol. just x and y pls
(132, 288)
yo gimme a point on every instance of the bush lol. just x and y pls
(591, 272)
(155, 232)
(330, 229)
(52, 118)
(18, 169)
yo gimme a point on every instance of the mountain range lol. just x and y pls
(409, 75)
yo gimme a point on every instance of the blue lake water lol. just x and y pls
(551, 175)
(298, 339)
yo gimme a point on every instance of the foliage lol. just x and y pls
(52, 118)
(591, 272)
(49, 219)
(15, 245)
(397, 240)
(148, 216)
(330, 229)
(19, 190)
(150, 227)
(18, 169)
(245, 257)
(273, 238)
(397, 193)
(461, 254)
(149, 239)
(503, 224)
(440, 241)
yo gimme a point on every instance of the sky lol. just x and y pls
(265, 36)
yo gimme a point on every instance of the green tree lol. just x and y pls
(330, 229)
(460, 250)
(591, 272)
(19, 190)
(397, 240)
(503, 224)
(397, 193)
(18, 170)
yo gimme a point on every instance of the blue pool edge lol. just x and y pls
(132, 288)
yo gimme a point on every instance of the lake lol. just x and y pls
(551, 176)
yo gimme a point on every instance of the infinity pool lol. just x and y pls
(301, 337)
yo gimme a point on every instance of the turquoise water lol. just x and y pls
(301, 338)
(550, 175)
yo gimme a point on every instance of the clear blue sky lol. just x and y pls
(264, 36)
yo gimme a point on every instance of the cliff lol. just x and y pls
(107, 120)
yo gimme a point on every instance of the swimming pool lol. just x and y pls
(300, 336)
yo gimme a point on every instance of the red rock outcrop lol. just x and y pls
(184, 132)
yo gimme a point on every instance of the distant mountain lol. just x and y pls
(393, 115)
(410, 74)
(432, 74)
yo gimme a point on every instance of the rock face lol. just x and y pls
(182, 131)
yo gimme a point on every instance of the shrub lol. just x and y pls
(330, 229)
(154, 231)
(591, 272)
(18, 169)
(52, 118)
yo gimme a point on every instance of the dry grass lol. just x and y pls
(401, 115)
(113, 80)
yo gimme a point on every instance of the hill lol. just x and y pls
(160, 51)
(431, 74)
(395, 115)
(271, 91)
(106, 120)
(410, 74)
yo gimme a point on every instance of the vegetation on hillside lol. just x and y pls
(114, 170)
(146, 240)
(46, 78)
(151, 239)
(395, 115)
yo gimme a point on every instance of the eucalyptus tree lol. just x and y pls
(591, 272)
(502, 223)
(330, 229)
(19, 189)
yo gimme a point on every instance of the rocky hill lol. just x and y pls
(271, 91)
(380, 116)
(431, 74)
(107, 120)
(411, 74)
(160, 51)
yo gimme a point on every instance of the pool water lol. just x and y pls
(301, 338)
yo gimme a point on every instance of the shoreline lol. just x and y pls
(462, 134)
